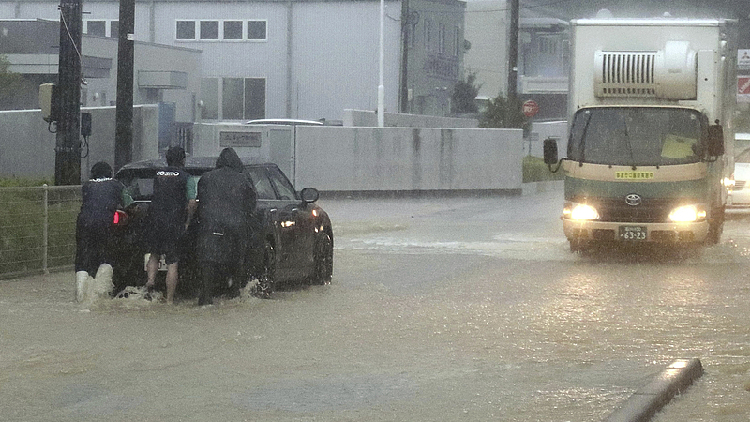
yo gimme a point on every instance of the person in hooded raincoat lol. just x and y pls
(102, 196)
(226, 207)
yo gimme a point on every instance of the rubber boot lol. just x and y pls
(103, 280)
(81, 285)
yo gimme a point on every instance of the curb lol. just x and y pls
(648, 400)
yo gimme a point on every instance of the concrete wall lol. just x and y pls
(335, 158)
(406, 159)
(364, 118)
(27, 147)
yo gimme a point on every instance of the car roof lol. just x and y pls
(192, 164)
(282, 121)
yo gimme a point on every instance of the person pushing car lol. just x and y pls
(169, 214)
(226, 207)
(101, 197)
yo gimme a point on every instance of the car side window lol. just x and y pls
(282, 185)
(262, 185)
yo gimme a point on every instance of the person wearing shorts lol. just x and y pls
(169, 214)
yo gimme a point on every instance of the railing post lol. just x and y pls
(45, 230)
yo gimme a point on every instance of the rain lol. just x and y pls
(460, 289)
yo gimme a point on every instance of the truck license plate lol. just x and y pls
(632, 233)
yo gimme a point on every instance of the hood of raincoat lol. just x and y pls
(229, 158)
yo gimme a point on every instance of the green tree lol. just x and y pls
(503, 112)
(464, 94)
(10, 83)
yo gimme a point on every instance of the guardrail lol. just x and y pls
(37, 229)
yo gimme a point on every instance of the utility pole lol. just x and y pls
(69, 78)
(513, 51)
(124, 104)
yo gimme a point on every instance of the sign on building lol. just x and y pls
(743, 59)
(743, 88)
(239, 139)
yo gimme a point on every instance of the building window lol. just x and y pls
(101, 27)
(456, 40)
(256, 30)
(96, 28)
(413, 34)
(185, 30)
(209, 30)
(210, 98)
(427, 35)
(441, 38)
(232, 98)
(547, 44)
(237, 99)
(255, 98)
(232, 30)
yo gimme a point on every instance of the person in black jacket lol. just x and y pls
(226, 207)
(168, 217)
(101, 197)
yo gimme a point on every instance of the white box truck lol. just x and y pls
(650, 113)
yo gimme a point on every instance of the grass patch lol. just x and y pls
(534, 170)
(17, 182)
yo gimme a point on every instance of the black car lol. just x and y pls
(293, 240)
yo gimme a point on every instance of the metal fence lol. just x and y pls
(37, 229)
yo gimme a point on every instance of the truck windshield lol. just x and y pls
(637, 136)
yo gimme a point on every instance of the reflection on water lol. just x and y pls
(455, 323)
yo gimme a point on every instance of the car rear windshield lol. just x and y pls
(269, 183)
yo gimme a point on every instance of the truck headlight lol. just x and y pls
(687, 213)
(580, 212)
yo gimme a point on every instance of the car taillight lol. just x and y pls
(120, 217)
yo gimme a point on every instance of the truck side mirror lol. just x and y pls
(715, 140)
(48, 102)
(550, 151)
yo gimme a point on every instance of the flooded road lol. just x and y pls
(439, 310)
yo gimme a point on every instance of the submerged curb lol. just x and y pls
(642, 405)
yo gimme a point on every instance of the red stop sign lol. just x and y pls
(530, 108)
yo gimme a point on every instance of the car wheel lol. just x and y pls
(323, 257)
(267, 277)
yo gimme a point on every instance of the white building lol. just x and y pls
(297, 59)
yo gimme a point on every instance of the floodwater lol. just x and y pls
(439, 310)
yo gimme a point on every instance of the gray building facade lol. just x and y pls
(297, 59)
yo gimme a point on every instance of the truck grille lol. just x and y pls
(650, 211)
